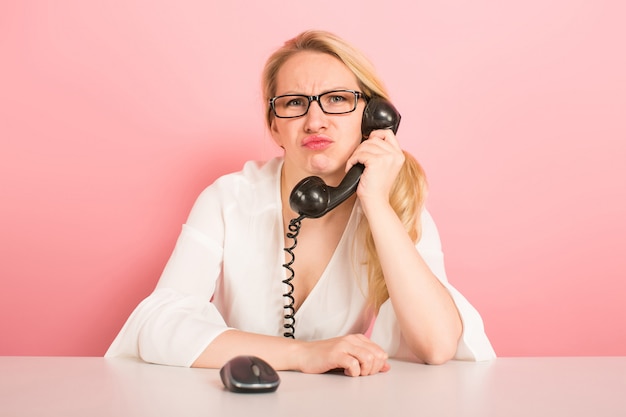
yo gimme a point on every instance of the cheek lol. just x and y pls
(358, 120)
(275, 134)
(355, 128)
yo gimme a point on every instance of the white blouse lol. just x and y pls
(226, 271)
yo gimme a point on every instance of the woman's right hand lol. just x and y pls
(355, 354)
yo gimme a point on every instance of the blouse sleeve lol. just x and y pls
(175, 323)
(473, 344)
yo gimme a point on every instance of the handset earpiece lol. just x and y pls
(379, 114)
(312, 198)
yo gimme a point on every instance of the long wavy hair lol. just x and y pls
(408, 192)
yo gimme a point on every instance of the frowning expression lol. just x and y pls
(317, 143)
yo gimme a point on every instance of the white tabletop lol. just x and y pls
(92, 387)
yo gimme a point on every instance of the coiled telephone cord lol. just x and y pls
(290, 311)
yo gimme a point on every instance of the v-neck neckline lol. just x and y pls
(283, 253)
(325, 273)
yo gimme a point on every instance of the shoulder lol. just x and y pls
(254, 175)
(256, 183)
(255, 172)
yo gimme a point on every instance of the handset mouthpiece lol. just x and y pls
(313, 198)
(310, 197)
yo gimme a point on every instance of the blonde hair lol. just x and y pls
(408, 192)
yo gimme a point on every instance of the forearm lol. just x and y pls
(355, 353)
(277, 351)
(426, 313)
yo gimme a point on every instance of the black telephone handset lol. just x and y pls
(312, 198)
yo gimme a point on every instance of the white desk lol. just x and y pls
(92, 387)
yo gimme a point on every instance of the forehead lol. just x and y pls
(312, 73)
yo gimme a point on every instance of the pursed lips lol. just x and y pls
(316, 142)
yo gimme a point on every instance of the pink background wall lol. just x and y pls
(115, 115)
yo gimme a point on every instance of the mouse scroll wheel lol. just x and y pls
(256, 370)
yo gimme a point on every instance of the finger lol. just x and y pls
(352, 366)
(365, 152)
(375, 363)
(385, 135)
(371, 364)
(370, 356)
(375, 148)
(380, 358)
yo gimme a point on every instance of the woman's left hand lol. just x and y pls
(383, 158)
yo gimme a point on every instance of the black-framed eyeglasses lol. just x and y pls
(331, 102)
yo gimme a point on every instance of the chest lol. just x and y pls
(315, 251)
(329, 282)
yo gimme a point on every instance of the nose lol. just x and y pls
(316, 119)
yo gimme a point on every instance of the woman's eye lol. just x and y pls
(336, 99)
(295, 102)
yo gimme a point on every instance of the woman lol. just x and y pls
(373, 265)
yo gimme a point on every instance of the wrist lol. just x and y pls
(376, 207)
(295, 355)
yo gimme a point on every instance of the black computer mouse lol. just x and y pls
(249, 374)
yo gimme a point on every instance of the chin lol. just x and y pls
(323, 165)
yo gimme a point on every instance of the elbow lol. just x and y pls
(443, 346)
(436, 352)
(438, 357)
